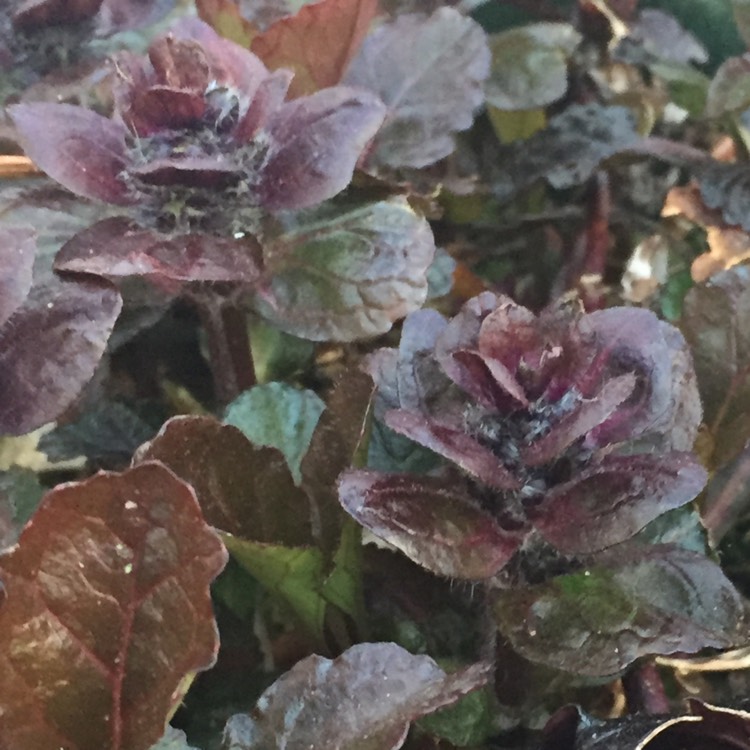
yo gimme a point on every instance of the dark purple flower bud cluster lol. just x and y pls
(565, 434)
(38, 36)
(202, 139)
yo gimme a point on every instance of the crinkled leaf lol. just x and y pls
(727, 187)
(225, 17)
(280, 416)
(662, 36)
(173, 739)
(714, 322)
(17, 248)
(530, 65)
(108, 432)
(730, 88)
(107, 613)
(317, 43)
(569, 149)
(432, 521)
(294, 575)
(363, 700)
(243, 489)
(656, 600)
(315, 144)
(345, 275)
(119, 248)
(609, 502)
(429, 72)
(50, 349)
(20, 493)
(84, 151)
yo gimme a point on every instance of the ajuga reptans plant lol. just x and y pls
(564, 435)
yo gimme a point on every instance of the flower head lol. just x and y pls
(198, 114)
(548, 424)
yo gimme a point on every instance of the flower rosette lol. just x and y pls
(201, 113)
(563, 436)
(220, 184)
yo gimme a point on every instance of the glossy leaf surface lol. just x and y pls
(243, 489)
(363, 700)
(661, 599)
(107, 612)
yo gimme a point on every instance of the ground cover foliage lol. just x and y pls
(374, 374)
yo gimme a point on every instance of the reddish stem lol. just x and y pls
(229, 354)
(644, 690)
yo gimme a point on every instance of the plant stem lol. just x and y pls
(680, 154)
(229, 352)
(644, 690)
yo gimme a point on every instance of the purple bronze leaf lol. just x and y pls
(50, 349)
(315, 142)
(611, 501)
(638, 342)
(429, 72)
(363, 700)
(119, 248)
(634, 602)
(433, 522)
(452, 442)
(461, 335)
(82, 150)
(17, 249)
(586, 415)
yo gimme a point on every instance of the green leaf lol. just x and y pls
(343, 587)
(342, 272)
(292, 574)
(277, 355)
(632, 602)
(173, 739)
(280, 416)
(730, 89)
(20, 493)
(529, 65)
(467, 723)
(681, 526)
